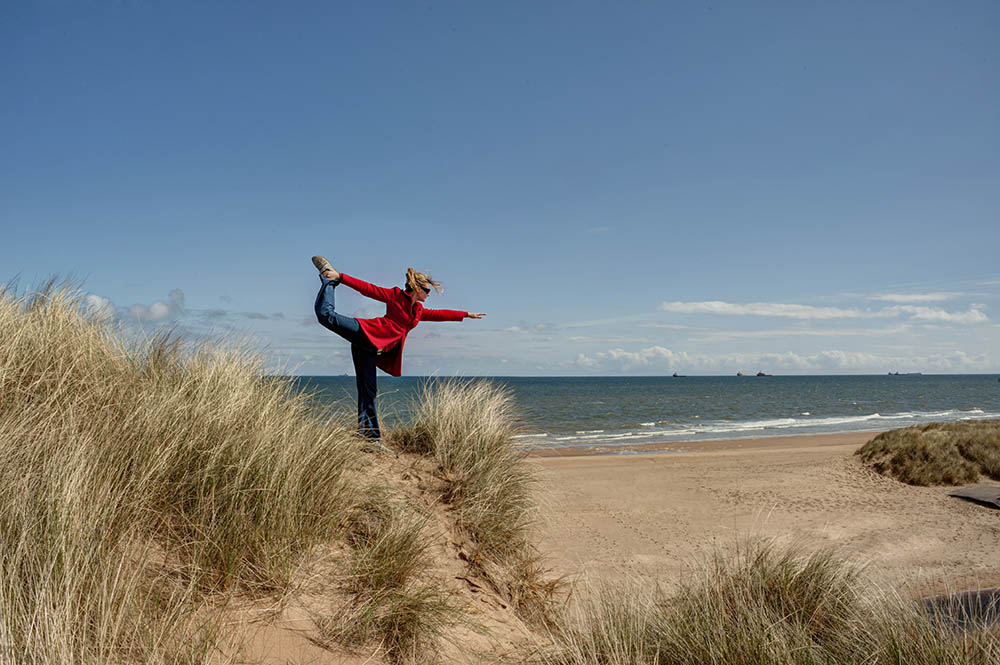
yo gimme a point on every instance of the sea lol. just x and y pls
(556, 412)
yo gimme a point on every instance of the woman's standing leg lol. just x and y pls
(364, 370)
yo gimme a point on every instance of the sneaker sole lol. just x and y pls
(321, 263)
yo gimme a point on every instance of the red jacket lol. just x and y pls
(388, 333)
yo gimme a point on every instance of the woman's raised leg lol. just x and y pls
(345, 326)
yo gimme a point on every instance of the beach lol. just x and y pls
(653, 514)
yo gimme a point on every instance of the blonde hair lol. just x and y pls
(416, 279)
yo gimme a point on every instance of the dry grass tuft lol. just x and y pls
(389, 544)
(468, 428)
(137, 478)
(938, 453)
(405, 624)
(765, 606)
(390, 602)
(766, 600)
(411, 438)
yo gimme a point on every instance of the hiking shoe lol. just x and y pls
(321, 263)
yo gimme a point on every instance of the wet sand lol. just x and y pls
(656, 511)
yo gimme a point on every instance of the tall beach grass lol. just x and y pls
(137, 478)
(467, 427)
(391, 604)
(937, 453)
(766, 605)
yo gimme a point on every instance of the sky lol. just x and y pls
(624, 188)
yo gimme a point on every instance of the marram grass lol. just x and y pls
(766, 605)
(938, 453)
(391, 603)
(137, 478)
(468, 426)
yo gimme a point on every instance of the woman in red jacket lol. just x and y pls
(378, 342)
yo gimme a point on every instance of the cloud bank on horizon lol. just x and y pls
(697, 337)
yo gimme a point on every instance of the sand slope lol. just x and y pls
(285, 630)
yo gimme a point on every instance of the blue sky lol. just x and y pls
(624, 188)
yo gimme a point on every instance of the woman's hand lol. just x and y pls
(476, 315)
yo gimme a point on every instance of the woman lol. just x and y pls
(378, 342)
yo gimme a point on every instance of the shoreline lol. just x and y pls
(786, 441)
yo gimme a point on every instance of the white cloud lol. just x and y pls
(156, 312)
(617, 321)
(643, 357)
(526, 328)
(159, 311)
(621, 359)
(725, 335)
(666, 326)
(917, 297)
(921, 313)
(761, 309)
(98, 307)
(794, 311)
(139, 312)
(836, 359)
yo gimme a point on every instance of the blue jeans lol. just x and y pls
(362, 351)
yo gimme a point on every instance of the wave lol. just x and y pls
(711, 429)
(580, 436)
(839, 421)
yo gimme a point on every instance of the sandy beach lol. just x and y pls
(651, 513)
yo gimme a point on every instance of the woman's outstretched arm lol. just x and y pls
(448, 315)
(364, 288)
